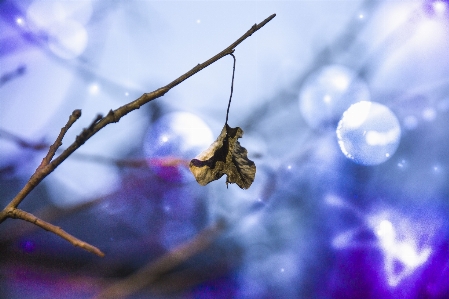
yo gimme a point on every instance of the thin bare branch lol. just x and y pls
(58, 142)
(42, 170)
(6, 77)
(38, 146)
(49, 164)
(115, 115)
(20, 214)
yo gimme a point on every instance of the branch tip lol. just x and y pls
(76, 113)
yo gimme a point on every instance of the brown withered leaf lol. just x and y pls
(224, 156)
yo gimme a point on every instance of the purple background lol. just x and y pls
(314, 224)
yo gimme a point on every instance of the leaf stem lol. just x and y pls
(232, 90)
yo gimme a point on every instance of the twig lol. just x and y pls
(152, 271)
(42, 170)
(22, 142)
(20, 214)
(19, 71)
(48, 165)
(58, 142)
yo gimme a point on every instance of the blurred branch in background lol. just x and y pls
(6, 77)
(130, 163)
(155, 270)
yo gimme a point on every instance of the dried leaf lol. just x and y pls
(224, 156)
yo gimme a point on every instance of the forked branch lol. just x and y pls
(49, 164)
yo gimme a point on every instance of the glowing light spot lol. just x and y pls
(382, 138)
(198, 21)
(439, 7)
(403, 251)
(172, 141)
(68, 40)
(356, 116)
(361, 16)
(341, 81)
(289, 167)
(126, 93)
(396, 236)
(385, 229)
(328, 92)
(402, 164)
(94, 89)
(63, 25)
(20, 21)
(368, 133)
(429, 114)
(282, 270)
(436, 169)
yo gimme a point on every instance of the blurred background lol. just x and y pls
(344, 107)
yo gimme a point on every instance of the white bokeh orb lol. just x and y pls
(68, 39)
(368, 133)
(44, 14)
(328, 92)
(62, 24)
(172, 141)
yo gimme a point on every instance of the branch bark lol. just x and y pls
(48, 164)
(20, 214)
